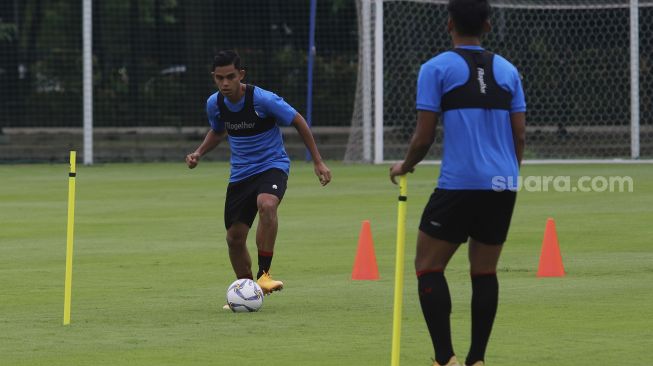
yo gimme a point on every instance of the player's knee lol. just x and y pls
(267, 207)
(236, 240)
(424, 265)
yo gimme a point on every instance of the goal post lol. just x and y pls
(586, 66)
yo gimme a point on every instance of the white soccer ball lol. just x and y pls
(244, 296)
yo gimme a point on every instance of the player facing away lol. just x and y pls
(249, 117)
(480, 99)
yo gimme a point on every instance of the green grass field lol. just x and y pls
(151, 269)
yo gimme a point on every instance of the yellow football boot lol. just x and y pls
(452, 362)
(268, 285)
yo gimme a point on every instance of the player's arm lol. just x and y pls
(211, 140)
(518, 122)
(321, 170)
(518, 115)
(419, 144)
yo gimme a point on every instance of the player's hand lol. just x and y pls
(323, 173)
(398, 169)
(192, 160)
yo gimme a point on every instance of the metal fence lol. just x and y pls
(151, 69)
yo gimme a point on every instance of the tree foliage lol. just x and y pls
(151, 58)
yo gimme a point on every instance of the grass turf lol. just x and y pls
(151, 269)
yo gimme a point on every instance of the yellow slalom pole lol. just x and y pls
(399, 270)
(69, 238)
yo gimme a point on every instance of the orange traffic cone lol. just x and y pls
(550, 259)
(365, 264)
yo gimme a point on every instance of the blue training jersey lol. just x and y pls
(478, 143)
(254, 154)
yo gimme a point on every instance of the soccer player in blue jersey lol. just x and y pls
(249, 117)
(479, 97)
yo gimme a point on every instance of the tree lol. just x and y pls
(8, 61)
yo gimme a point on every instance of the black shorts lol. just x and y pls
(456, 215)
(240, 203)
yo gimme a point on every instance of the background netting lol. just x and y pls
(574, 58)
(151, 65)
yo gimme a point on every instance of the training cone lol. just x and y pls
(365, 267)
(550, 259)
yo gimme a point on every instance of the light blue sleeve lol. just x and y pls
(429, 88)
(518, 99)
(266, 103)
(213, 113)
(508, 78)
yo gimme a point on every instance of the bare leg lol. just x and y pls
(433, 254)
(238, 254)
(483, 258)
(266, 232)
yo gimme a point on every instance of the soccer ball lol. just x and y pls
(244, 296)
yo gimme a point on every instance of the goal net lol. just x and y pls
(574, 57)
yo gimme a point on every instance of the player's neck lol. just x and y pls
(465, 41)
(238, 96)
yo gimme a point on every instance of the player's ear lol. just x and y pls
(487, 26)
(449, 25)
(241, 73)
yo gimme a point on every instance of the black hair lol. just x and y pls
(469, 16)
(226, 58)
